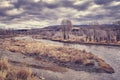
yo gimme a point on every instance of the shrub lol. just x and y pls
(84, 51)
(9, 72)
(1, 77)
(4, 65)
(11, 75)
(24, 74)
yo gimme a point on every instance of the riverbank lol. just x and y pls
(9, 71)
(78, 42)
(62, 56)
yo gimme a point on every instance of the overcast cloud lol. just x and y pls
(40, 13)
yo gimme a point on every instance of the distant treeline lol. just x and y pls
(98, 34)
(108, 33)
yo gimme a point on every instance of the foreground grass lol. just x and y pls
(60, 54)
(10, 72)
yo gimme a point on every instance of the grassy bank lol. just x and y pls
(11, 72)
(63, 56)
(73, 41)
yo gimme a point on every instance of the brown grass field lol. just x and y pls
(57, 54)
(11, 72)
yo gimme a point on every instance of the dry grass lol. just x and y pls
(4, 65)
(63, 54)
(10, 72)
(24, 74)
(11, 75)
(1, 77)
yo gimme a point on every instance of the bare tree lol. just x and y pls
(66, 28)
(118, 30)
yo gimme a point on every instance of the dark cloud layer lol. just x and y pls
(100, 2)
(50, 11)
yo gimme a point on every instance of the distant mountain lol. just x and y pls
(105, 26)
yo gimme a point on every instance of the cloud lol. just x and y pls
(79, 2)
(14, 12)
(102, 2)
(114, 3)
(7, 8)
(51, 12)
(35, 1)
(50, 1)
(34, 23)
(5, 4)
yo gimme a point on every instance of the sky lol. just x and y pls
(41, 13)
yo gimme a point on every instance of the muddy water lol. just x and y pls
(110, 54)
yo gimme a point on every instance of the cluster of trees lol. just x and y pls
(98, 35)
(92, 34)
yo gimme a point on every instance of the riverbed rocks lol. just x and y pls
(63, 56)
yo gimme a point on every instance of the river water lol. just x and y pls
(110, 54)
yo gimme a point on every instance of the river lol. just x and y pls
(110, 54)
